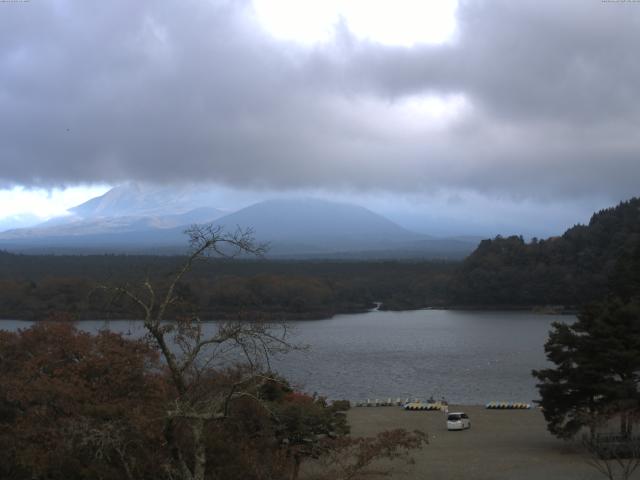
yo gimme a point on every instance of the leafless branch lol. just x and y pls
(253, 343)
(613, 456)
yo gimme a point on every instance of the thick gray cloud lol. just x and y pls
(548, 92)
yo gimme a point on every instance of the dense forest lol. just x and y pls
(569, 270)
(33, 287)
(566, 271)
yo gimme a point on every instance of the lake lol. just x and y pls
(468, 357)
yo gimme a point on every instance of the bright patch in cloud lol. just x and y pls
(389, 22)
(431, 110)
(409, 116)
(45, 203)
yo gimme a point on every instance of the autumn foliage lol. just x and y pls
(74, 405)
(187, 402)
(80, 406)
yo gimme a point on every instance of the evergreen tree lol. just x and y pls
(597, 360)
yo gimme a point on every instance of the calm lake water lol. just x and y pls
(468, 357)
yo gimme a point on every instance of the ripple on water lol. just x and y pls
(467, 357)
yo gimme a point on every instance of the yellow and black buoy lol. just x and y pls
(508, 405)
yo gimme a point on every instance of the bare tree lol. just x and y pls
(355, 458)
(615, 456)
(107, 440)
(198, 358)
(191, 351)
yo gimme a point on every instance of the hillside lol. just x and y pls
(141, 200)
(570, 270)
(308, 225)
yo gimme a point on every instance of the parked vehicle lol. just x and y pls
(458, 421)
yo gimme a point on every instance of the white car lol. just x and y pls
(458, 421)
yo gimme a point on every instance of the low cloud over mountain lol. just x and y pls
(128, 219)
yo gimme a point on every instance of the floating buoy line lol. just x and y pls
(416, 404)
(407, 404)
(398, 402)
(508, 405)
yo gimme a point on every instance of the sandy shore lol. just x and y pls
(501, 444)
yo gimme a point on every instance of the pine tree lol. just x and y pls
(597, 360)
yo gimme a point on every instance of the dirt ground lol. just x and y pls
(501, 444)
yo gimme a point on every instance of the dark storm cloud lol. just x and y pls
(182, 91)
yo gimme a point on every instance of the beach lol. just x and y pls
(501, 444)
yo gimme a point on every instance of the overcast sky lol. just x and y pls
(502, 112)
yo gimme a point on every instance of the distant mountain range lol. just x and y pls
(135, 219)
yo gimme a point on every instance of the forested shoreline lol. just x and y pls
(570, 270)
(33, 287)
(558, 274)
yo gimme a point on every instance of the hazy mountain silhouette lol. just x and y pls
(63, 227)
(124, 209)
(133, 219)
(318, 225)
(138, 200)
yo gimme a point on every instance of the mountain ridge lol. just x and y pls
(295, 226)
